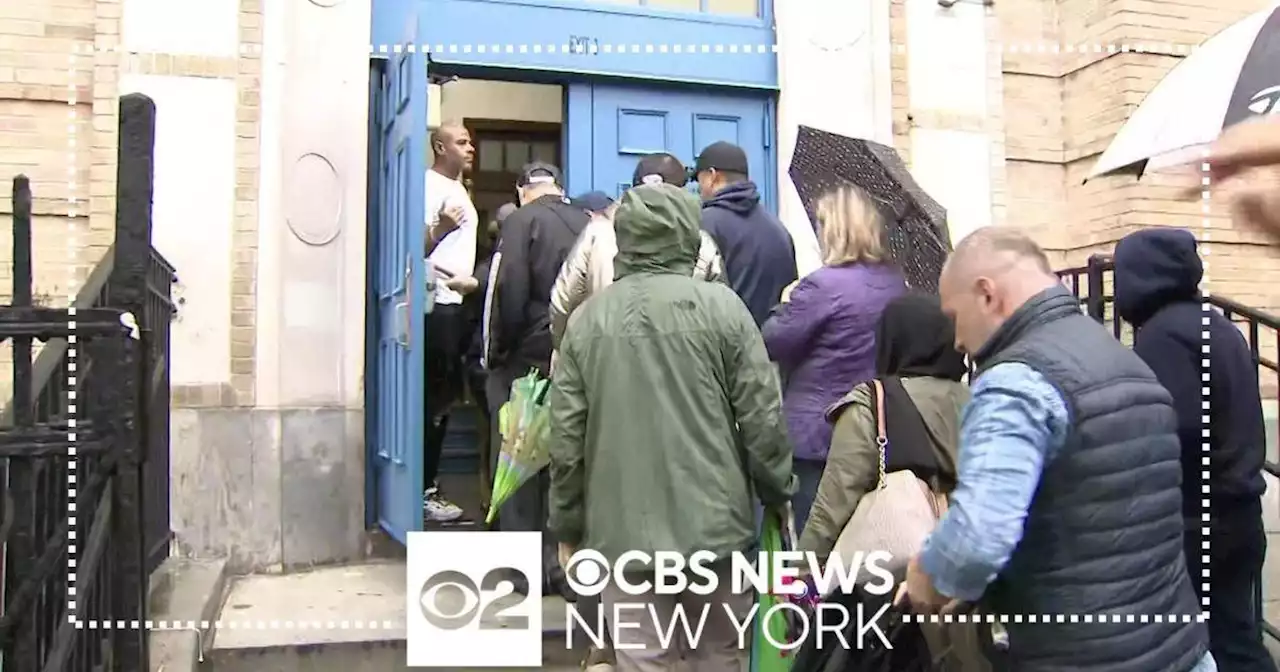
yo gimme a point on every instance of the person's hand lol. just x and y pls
(1245, 146)
(450, 219)
(1254, 199)
(918, 590)
(1244, 167)
(462, 285)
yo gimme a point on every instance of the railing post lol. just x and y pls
(21, 547)
(1096, 303)
(128, 291)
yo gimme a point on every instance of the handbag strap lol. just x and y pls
(882, 437)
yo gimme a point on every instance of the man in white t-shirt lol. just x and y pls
(451, 254)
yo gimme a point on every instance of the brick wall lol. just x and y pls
(1062, 110)
(37, 40)
(36, 80)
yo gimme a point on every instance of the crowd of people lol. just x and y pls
(698, 382)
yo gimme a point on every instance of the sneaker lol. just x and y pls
(599, 660)
(437, 509)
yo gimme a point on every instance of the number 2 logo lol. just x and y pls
(450, 600)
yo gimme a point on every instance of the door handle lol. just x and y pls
(403, 322)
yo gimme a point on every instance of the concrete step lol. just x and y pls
(339, 619)
(189, 593)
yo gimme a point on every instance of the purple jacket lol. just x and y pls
(824, 338)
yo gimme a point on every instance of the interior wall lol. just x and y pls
(483, 99)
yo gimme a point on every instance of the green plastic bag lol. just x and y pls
(765, 656)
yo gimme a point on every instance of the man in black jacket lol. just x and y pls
(532, 246)
(1157, 276)
(759, 255)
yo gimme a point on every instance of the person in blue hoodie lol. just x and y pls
(1157, 278)
(759, 255)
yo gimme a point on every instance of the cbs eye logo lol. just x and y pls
(451, 600)
(587, 573)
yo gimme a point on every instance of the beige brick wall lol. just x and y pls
(1062, 110)
(36, 42)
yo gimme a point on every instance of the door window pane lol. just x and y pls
(517, 155)
(677, 5)
(546, 152)
(734, 7)
(490, 159)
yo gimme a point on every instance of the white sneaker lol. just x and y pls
(437, 509)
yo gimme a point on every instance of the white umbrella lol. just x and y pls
(1231, 77)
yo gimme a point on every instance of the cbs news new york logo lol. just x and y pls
(461, 610)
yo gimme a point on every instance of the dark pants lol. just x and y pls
(446, 334)
(526, 509)
(1237, 549)
(809, 474)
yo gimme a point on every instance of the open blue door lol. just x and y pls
(611, 126)
(399, 289)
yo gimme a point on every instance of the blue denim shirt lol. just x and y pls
(1015, 422)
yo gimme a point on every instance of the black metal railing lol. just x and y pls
(84, 440)
(1099, 303)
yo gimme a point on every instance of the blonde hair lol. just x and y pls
(851, 228)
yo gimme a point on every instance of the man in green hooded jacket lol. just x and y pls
(666, 423)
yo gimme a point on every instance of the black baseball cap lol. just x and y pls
(722, 156)
(539, 172)
(661, 166)
(593, 201)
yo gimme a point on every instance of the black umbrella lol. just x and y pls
(917, 225)
(1233, 76)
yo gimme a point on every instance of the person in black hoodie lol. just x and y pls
(1157, 275)
(532, 245)
(759, 255)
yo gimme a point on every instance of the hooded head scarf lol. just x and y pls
(915, 338)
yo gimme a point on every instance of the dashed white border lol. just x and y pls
(73, 262)
(1029, 48)
(1206, 224)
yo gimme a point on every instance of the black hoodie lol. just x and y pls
(1157, 275)
(759, 257)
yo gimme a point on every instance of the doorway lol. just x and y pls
(595, 130)
(511, 124)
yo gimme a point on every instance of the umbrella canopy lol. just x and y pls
(917, 224)
(1231, 77)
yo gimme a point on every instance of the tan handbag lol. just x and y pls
(896, 517)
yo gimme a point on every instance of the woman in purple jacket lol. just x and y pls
(824, 334)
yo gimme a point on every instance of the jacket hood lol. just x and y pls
(915, 338)
(1154, 268)
(658, 231)
(740, 198)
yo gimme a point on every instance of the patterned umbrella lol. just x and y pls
(917, 225)
(1233, 76)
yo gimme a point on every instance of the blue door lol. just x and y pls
(612, 126)
(398, 290)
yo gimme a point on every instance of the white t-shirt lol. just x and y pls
(457, 252)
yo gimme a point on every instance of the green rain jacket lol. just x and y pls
(666, 415)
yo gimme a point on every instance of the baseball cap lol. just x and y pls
(660, 167)
(593, 201)
(539, 172)
(722, 156)
(505, 211)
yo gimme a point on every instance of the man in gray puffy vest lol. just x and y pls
(1068, 508)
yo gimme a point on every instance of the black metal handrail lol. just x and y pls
(1099, 304)
(103, 470)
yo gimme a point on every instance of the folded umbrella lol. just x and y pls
(918, 238)
(523, 422)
